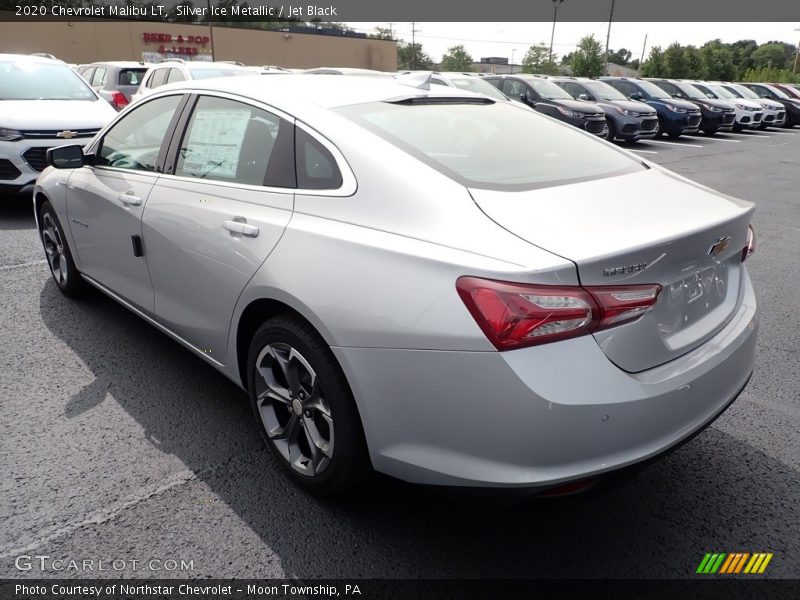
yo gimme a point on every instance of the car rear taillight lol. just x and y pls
(514, 315)
(119, 100)
(750, 244)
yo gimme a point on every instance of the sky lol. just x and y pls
(501, 39)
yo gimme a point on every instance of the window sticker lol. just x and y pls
(215, 141)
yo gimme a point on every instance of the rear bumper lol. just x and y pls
(541, 416)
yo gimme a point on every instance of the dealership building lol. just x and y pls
(89, 40)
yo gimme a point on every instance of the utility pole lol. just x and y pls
(553, 33)
(608, 36)
(641, 62)
(413, 46)
(513, 50)
(796, 57)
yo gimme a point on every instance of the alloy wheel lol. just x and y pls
(293, 409)
(54, 249)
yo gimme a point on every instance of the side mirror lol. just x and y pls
(523, 97)
(66, 157)
(583, 96)
(636, 96)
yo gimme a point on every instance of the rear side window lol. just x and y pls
(99, 77)
(513, 88)
(316, 167)
(492, 146)
(158, 78)
(237, 143)
(672, 90)
(130, 76)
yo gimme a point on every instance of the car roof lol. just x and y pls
(122, 64)
(199, 64)
(291, 91)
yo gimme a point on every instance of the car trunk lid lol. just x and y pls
(643, 228)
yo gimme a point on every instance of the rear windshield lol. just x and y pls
(221, 72)
(41, 81)
(131, 76)
(495, 146)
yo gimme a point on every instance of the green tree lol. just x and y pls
(717, 61)
(675, 62)
(383, 33)
(620, 57)
(456, 59)
(654, 66)
(411, 56)
(536, 60)
(588, 60)
(770, 55)
(742, 55)
(694, 63)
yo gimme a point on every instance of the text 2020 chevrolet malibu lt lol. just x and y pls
(447, 289)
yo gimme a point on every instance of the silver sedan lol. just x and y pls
(431, 284)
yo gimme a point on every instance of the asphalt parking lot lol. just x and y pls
(119, 444)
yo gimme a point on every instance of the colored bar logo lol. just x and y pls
(734, 563)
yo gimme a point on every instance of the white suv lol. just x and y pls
(43, 103)
(174, 70)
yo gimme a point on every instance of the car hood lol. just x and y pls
(676, 102)
(56, 114)
(770, 104)
(577, 105)
(748, 102)
(714, 102)
(630, 105)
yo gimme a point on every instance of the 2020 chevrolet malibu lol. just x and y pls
(429, 283)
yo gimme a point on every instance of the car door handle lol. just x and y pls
(239, 227)
(130, 200)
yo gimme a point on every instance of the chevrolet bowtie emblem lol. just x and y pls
(719, 246)
(66, 134)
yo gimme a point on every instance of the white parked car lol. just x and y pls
(178, 70)
(749, 113)
(43, 103)
(774, 112)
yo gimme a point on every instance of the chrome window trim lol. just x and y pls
(349, 183)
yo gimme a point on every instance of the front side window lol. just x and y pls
(492, 146)
(513, 88)
(237, 143)
(135, 140)
(671, 89)
(175, 75)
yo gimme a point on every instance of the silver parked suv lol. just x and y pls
(448, 289)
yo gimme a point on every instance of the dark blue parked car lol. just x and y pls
(675, 117)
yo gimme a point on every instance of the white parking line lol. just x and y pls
(644, 151)
(675, 144)
(721, 139)
(751, 134)
(781, 132)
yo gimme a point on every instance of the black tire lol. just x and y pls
(58, 253)
(674, 136)
(660, 131)
(348, 462)
(612, 132)
(710, 132)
